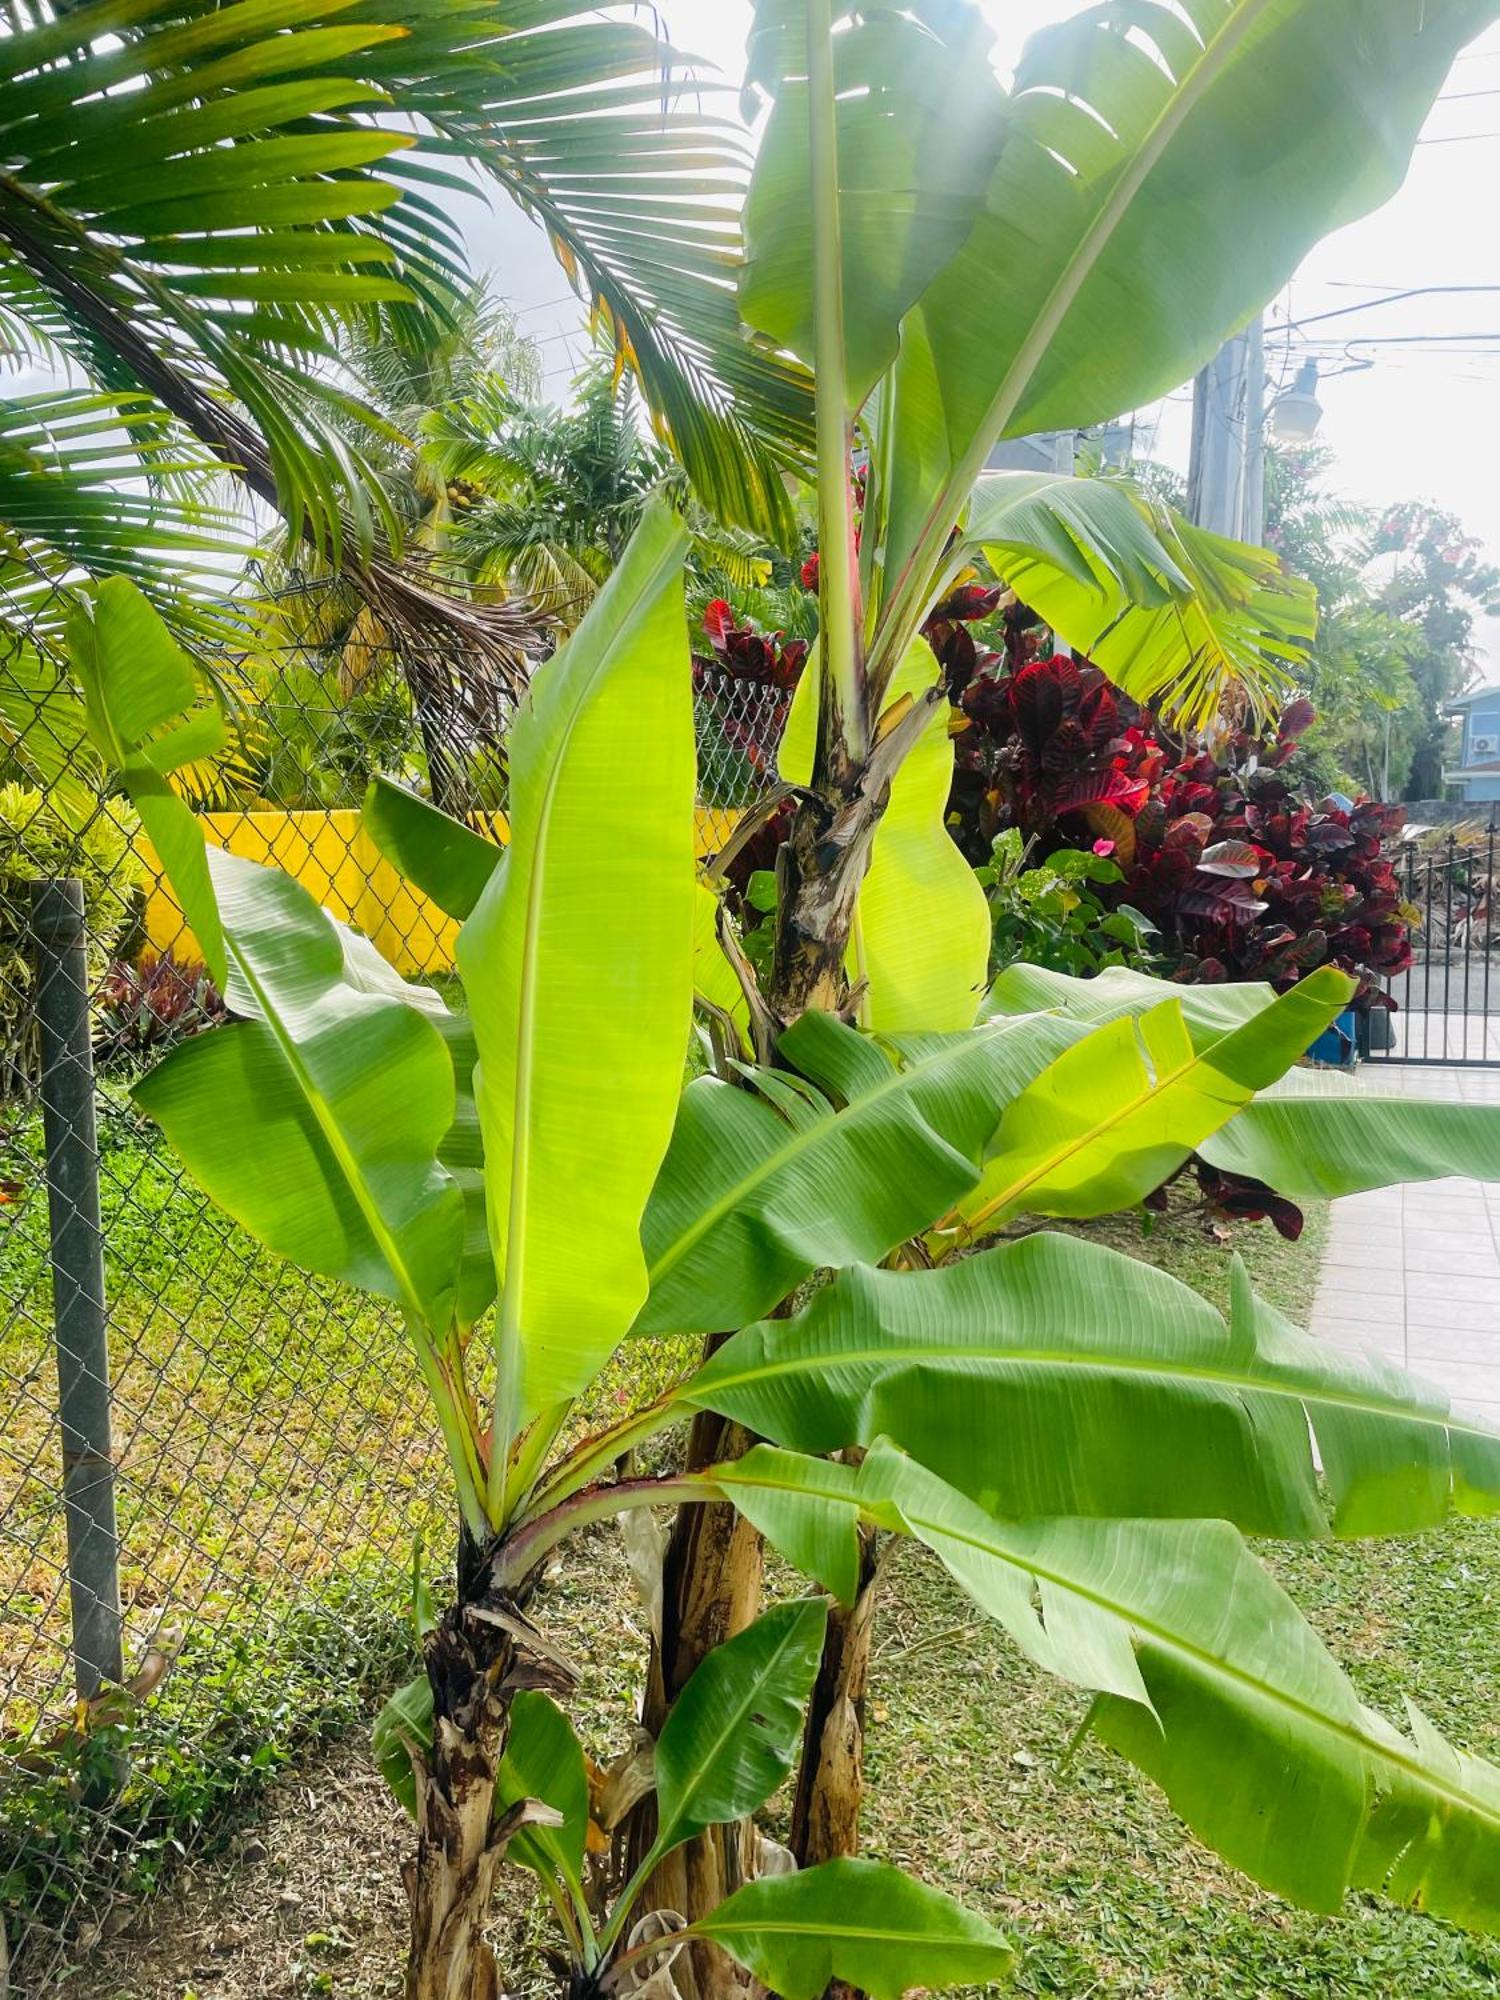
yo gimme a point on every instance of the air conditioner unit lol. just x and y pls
(1484, 746)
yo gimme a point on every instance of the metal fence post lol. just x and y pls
(67, 1072)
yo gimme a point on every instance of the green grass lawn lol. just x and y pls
(275, 1464)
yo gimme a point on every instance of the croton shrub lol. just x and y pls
(1203, 864)
(743, 682)
(1241, 877)
(1236, 875)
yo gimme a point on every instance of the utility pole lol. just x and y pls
(1041, 451)
(1227, 470)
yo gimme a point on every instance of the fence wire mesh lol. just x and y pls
(273, 1462)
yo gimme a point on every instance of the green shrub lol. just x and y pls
(38, 841)
(1051, 914)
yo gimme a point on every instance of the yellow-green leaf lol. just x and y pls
(921, 937)
(1114, 1116)
(577, 962)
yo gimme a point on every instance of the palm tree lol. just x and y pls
(200, 201)
(545, 499)
(320, 644)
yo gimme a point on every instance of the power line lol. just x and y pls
(1480, 341)
(1459, 139)
(1389, 299)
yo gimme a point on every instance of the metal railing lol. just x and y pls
(1445, 1004)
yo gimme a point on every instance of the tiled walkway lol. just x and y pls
(1414, 1272)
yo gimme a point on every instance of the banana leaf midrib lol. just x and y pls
(706, 1763)
(1076, 1361)
(508, 1326)
(798, 1143)
(1157, 1084)
(1215, 1664)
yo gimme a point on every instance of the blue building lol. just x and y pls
(1478, 767)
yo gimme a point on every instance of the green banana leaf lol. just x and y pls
(317, 1120)
(436, 853)
(1164, 169)
(922, 926)
(1313, 1148)
(543, 1759)
(1052, 1376)
(1207, 1677)
(1063, 531)
(734, 1731)
(1195, 615)
(779, 1492)
(714, 978)
(1210, 1011)
(1120, 1112)
(863, 1923)
(462, 1150)
(859, 1145)
(146, 719)
(404, 1721)
(577, 963)
(921, 936)
(918, 118)
(273, 1114)
(462, 1154)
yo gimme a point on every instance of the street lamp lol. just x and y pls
(1296, 413)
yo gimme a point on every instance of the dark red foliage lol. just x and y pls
(1237, 1198)
(769, 659)
(743, 659)
(151, 1006)
(1244, 879)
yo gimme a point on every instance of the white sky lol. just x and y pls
(1422, 423)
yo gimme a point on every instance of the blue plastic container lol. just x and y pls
(1338, 1045)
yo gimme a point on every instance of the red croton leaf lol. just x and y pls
(1232, 857)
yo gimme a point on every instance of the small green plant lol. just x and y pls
(1050, 914)
(197, 1737)
(38, 842)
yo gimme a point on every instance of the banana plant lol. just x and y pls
(953, 265)
(958, 264)
(1080, 1440)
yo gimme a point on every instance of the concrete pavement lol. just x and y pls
(1413, 1272)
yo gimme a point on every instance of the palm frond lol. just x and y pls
(589, 123)
(94, 483)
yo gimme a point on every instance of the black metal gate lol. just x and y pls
(1448, 1004)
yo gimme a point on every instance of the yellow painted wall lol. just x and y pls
(333, 858)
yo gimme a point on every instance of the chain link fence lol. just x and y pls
(228, 1580)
